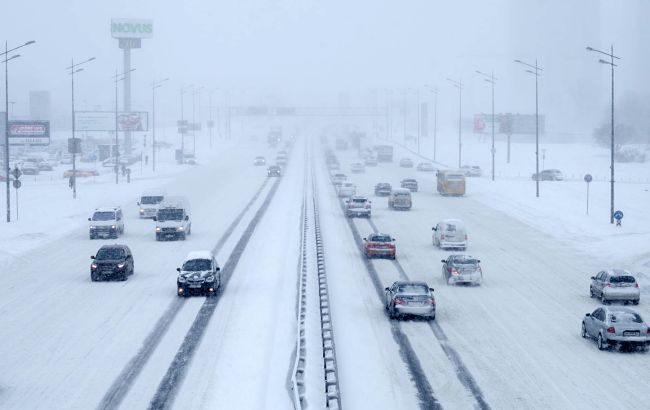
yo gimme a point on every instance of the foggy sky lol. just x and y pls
(305, 52)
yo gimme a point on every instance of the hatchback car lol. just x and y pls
(410, 298)
(449, 234)
(615, 285)
(274, 171)
(200, 274)
(383, 189)
(410, 184)
(549, 175)
(400, 198)
(259, 161)
(357, 168)
(347, 189)
(471, 170)
(406, 163)
(462, 269)
(112, 262)
(617, 325)
(425, 167)
(358, 205)
(379, 245)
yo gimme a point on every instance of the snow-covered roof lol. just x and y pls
(199, 255)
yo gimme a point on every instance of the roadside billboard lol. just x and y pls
(131, 28)
(36, 133)
(508, 123)
(105, 121)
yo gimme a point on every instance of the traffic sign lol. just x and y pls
(588, 178)
(618, 215)
(16, 173)
(17, 183)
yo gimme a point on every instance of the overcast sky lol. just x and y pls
(306, 51)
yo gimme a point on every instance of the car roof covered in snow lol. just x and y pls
(199, 255)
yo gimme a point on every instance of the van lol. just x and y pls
(450, 233)
(173, 219)
(399, 198)
(149, 204)
(451, 183)
(106, 223)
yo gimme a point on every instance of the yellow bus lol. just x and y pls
(451, 183)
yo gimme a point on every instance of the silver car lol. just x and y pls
(616, 325)
(462, 269)
(410, 298)
(615, 285)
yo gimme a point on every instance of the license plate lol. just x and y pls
(630, 333)
(195, 286)
(416, 303)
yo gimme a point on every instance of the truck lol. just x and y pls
(148, 204)
(384, 153)
(173, 219)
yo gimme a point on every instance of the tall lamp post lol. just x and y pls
(434, 90)
(182, 127)
(490, 78)
(156, 84)
(73, 69)
(459, 84)
(7, 170)
(118, 78)
(612, 65)
(536, 74)
(195, 92)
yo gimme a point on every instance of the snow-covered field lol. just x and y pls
(66, 340)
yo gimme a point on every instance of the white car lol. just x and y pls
(357, 168)
(450, 234)
(347, 189)
(358, 205)
(106, 223)
(425, 167)
(471, 170)
(338, 179)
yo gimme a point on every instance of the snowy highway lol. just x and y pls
(513, 342)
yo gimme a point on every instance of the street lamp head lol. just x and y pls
(11, 58)
(91, 59)
(78, 69)
(29, 42)
(589, 49)
(518, 61)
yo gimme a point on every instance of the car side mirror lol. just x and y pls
(593, 278)
(138, 203)
(92, 256)
(386, 289)
(588, 314)
(443, 261)
(434, 229)
(431, 289)
(393, 239)
(479, 261)
(187, 217)
(365, 239)
(90, 219)
(155, 219)
(218, 269)
(178, 269)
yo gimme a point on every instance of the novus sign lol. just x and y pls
(131, 28)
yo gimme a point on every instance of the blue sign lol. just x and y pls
(618, 215)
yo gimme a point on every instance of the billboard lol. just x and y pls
(29, 133)
(131, 28)
(508, 123)
(105, 121)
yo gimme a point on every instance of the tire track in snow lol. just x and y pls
(171, 382)
(122, 384)
(462, 372)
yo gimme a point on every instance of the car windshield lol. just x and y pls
(110, 254)
(622, 279)
(450, 228)
(380, 238)
(402, 194)
(104, 216)
(170, 214)
(359, 200)
(454, 177)
(413, 289)
(151, 200)
(465, 261)
(625, 317)
(197, 265)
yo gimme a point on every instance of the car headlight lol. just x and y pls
(141, 211)
(113, 227)
(180, 228)
(157, 229)
(92, 227)
(209, 278)
(93, 266)
(121, 265)
(182, 279)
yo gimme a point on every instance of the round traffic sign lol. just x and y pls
(588, 178)
(618, 215)
(16, 173)
(17, 183)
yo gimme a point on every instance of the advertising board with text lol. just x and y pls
(105, 121)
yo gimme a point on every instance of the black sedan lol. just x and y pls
(112, 262)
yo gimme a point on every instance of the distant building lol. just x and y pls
(39, 105)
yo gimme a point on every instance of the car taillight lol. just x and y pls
(398, 301)
(453, 271)
(465, 237)
(636, 285)
(609, 285)
(432, 301)
(611, 329)
(442, 236)
(368, 206)
(648, 331)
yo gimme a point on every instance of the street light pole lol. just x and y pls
(434, 90)
(459, 84)
(492, 80)
(536, 74)
(156, 84)
(117, 147)
(73, 69)
(419, 109)
(7, 168)
(612, 65)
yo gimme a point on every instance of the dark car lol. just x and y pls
(274, 171)
(200, 274)
(549, 175)
(112, 262)
(383, 189)
(410, 184)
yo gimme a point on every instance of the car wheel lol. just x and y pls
(432, 317)
(636, 302)
(602, 345)
(123, 277)
(93, 277)
(182, 237)
(583, 332)
(391, 313)
(603, 299)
